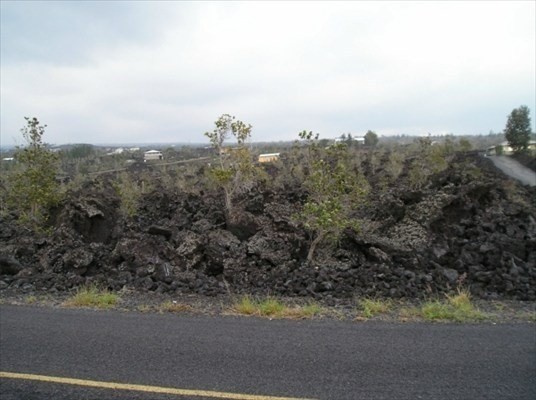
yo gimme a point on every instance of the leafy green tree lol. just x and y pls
(236, 172)
(518, 130)
(33, 188)
(464, 144)
(335, 189)
(371, 138)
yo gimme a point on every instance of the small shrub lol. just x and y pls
(130, 193)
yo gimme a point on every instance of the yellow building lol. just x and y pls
(271, 157)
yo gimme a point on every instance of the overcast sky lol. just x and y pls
(131, 72)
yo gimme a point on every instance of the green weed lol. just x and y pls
(458, 308)
(245, 306)
(310, 310)
(274, 308)
(92, 296)
(373, 307)
(271, 307)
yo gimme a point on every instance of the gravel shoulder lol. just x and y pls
(496, 311)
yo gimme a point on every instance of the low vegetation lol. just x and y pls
(456, 308)
(172, 306)
(528, 316)
(92, 296)
(273, 308)
(372, 307)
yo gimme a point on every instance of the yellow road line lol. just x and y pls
(141, 388)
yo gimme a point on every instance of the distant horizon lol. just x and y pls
(230, 140)
(8, 147)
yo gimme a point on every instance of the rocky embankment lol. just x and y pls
(468, 227)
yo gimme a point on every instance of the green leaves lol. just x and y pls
(335, 190)
(518, 129)
(227, 125)
(309, 136)
(33, 188)
(371, 138)
(236, 170)
(222, 176)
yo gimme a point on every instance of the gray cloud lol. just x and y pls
(144, 71)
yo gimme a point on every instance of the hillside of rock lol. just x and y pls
(469, 226)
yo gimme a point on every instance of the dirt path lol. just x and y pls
(514, 169)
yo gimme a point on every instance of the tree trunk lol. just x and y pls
(312, 249)
(228, 205)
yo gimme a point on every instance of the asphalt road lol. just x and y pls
(514, 169)
(322, 359)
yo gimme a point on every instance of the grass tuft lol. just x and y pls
(460, 301)
(174, 307)
(271, 307)
(437, 310)
(310, 310)
(245, 306)
(92, 296)
(457, 308)
(373, 307)
(274, 308)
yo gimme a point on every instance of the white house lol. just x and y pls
(358, 139)
(506, 149)
(270, 157)
(152, 155)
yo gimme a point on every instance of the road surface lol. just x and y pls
(514, 169)
(206, 357)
